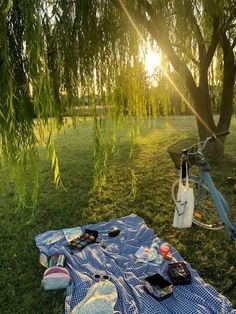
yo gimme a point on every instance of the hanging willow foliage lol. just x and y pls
(54, 52)
(51, 54)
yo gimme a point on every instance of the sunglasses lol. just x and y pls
(114, 232)
(104, 277)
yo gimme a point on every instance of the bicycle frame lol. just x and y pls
(220, 203)
(193, 155)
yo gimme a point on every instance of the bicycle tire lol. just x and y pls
(205, 214)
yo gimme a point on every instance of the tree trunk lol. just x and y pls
(205, 121)
(202, 105)
(199, 94)
(226, 105)
(202, 101)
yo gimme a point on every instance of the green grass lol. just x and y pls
(209, 252)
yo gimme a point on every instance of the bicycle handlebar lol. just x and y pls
(212, 138)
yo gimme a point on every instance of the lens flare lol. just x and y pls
(152, 61)
(165, 73)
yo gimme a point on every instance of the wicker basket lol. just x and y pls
(175, 152)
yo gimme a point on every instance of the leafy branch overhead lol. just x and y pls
(189, 33)
(56, 53)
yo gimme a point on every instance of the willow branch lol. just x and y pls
(234, 43)
(160, 33)
(199, 37)
(188, 54)
(215, 38)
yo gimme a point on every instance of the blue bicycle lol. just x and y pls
(211, 210)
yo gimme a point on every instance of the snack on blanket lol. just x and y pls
(57, 260)
(53, 260)
(165, 251)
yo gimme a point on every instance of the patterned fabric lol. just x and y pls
(126, 273)
(100, 299)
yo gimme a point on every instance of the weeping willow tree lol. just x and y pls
(52, 52)
(196, 36)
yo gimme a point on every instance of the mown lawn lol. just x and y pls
(147, 195)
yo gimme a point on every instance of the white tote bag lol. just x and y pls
(184, 204)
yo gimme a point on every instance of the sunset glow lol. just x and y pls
(152, 61)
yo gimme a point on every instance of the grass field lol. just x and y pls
(153, 171)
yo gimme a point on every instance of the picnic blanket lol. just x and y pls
(117, 260)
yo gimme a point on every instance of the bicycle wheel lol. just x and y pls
(205, 214)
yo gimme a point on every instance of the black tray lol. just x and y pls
(158, 286)
(179, 273)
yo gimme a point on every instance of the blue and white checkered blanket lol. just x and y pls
(117, 260)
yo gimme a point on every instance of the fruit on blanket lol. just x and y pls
(168, 256)
(165, 251)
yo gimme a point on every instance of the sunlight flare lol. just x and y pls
(190, 106)
(152, 61)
